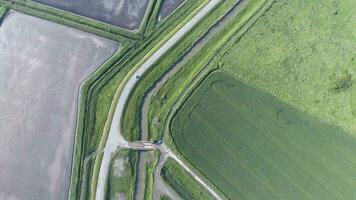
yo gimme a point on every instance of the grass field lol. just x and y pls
(253, 146)
(304, 52)
(122, 175)
(180, 181)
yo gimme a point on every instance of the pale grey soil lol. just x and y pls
(42, 65)
(167, 7)
(127, 14)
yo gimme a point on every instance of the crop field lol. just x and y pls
(126, 14)
(167, 7)
(39, 84)
(253, 146)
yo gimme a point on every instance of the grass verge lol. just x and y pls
(150, 167)
(181, 182)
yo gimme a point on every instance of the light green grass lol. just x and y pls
(181, 182)
(150, 167)
(253, 146)
(122, 175)
(304, 52)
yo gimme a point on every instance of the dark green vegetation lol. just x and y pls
(122, 175)
(3, 11)
(164, 198)
(304, 52)
(185, 185)
(253, 146)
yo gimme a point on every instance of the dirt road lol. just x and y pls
(115, 139)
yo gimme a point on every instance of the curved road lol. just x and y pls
(115, 139)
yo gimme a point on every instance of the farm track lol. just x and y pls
(115, 139)
(196, 47)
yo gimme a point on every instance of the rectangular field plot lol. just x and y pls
(253, 146)
(126, 14)
(167, 7)
(42, 65)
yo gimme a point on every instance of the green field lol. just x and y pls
(253, 146)
(304, 52)
(180, 181)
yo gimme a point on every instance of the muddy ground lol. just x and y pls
(126, 14)
(167, 7)
(42, 65)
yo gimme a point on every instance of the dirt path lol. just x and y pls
(196, 47)
(159, 187)
(115, 138)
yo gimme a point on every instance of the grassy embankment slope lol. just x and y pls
(131, 119)
(122, 175)
(3, 11)
(185, 185)
(109, 91)
(163, 105)
(253, 146)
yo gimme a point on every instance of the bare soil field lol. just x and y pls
(126, 14)
(42, 65)
(167, 7)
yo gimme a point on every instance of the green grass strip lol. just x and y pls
(181, 182)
